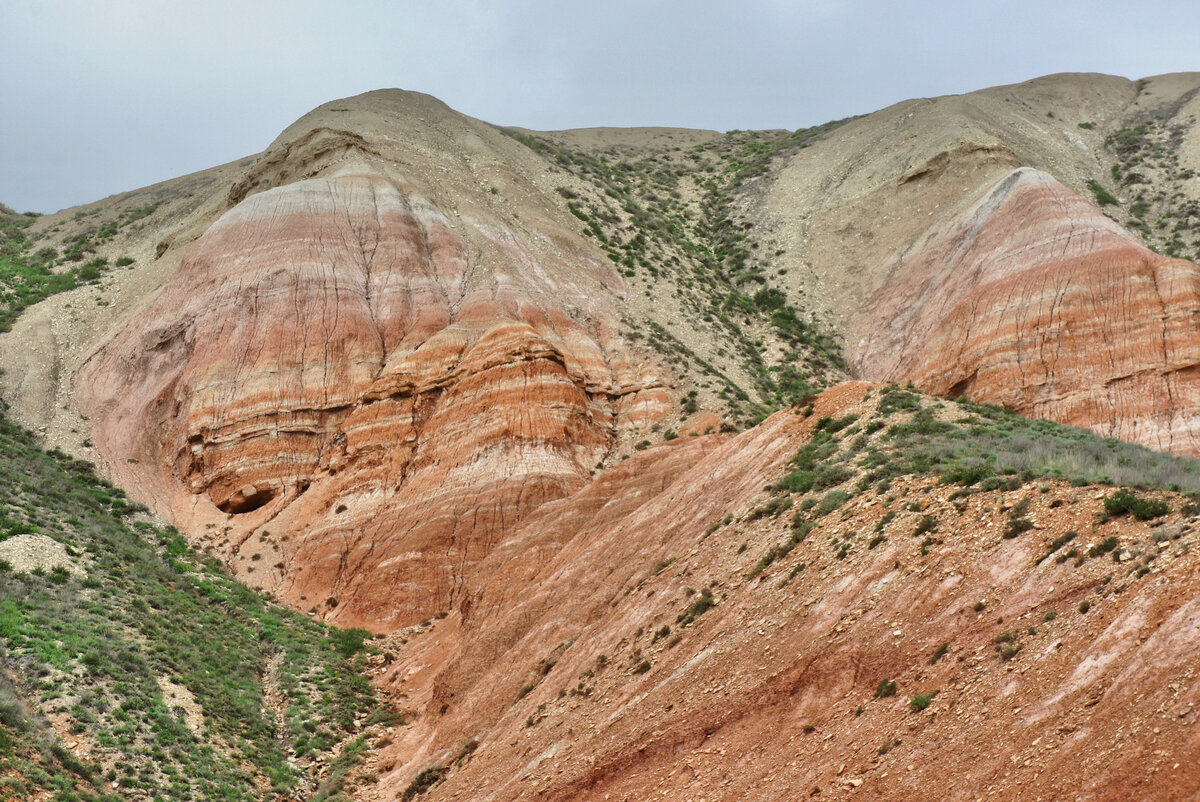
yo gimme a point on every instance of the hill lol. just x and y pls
(569, 421)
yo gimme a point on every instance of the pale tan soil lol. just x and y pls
(632, 140)
(28, 552)
(847, 208)
(175, 695)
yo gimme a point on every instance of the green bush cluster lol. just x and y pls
(1124, 501)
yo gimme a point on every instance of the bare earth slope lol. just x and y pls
(576, 673)
(387, 391)
(848, 207)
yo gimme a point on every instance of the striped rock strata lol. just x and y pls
(354, 404)
(1035, 300)
(574, 672)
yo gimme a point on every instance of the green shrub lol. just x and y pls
(426, 778)
(885, 688)
(697, 608)
(1123, 501)
(349, 642)
(1102, 195)
(1016, 526)
(920, 702)
(773, 508)
(831, 501)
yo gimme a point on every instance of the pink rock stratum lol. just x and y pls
(1035, 300)
(351, 406)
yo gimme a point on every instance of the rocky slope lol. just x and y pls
(409, 371)
(1034, 300)
(634, 642)
(386, 391)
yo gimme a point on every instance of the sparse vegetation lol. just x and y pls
(103, 642)
(1125, 501)
(668, 219)
(426, 778)
(1103, 196)
(990, 448)
(697, 608)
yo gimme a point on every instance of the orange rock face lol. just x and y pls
(575, 674)
(353, 405)
(1034, 300)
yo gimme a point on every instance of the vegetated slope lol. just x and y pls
(660, 204)
(134, 668)
(906, 595)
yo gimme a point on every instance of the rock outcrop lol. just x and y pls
(576, 673)
(351, 404)
(1035, 300)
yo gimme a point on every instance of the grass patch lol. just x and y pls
(993, 449)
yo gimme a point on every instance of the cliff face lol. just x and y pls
(1033, 299)
(333, 363)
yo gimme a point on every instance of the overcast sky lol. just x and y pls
(102, 97)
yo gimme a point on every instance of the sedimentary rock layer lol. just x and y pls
(351, 403)
(1035, 300)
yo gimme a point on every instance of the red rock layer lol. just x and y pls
(354, 404)
(560, 672)
(1034, 300)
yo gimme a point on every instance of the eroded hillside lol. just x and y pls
(562, 417)
(855, 628)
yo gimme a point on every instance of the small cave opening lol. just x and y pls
(247, 499)
(961, 389)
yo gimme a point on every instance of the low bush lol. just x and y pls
(920, 702)
(1124, 501)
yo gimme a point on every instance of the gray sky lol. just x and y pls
(103, 97)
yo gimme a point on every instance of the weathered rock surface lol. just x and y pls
(334, 364)
(570, 677)
(1035, 300)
